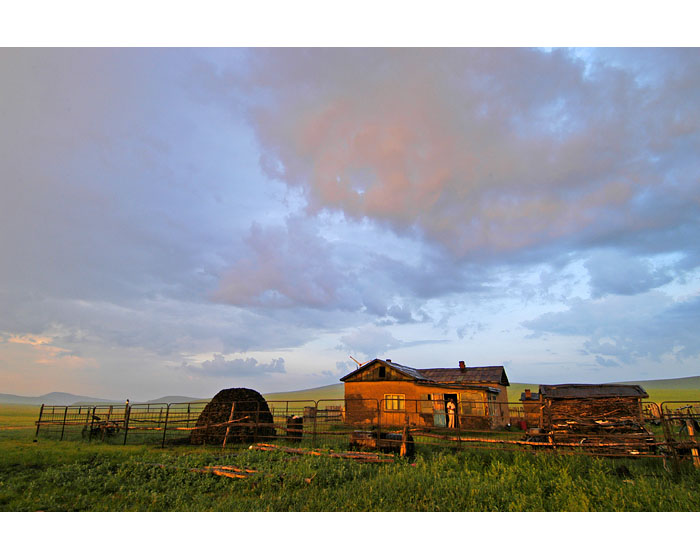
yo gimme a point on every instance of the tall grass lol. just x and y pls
(68, 476)
(63, 476)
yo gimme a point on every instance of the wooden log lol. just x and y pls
(363, 457)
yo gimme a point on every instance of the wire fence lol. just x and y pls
(666, 430)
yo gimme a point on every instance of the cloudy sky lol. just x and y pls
(177, 221)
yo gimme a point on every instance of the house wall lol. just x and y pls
(363, 394)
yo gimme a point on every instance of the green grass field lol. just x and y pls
(67, 476)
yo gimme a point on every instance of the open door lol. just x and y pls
(439, 415)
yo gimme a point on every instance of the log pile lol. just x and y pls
(608, 422)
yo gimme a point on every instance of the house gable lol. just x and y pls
(380, 370)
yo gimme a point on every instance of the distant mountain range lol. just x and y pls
(58, 399)
(67, 399)
(681, 388)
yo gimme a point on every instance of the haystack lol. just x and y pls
(250, 420)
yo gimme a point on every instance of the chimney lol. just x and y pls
(462, 366)
(528, 394)
(388, 360)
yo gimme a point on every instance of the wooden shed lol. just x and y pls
(382, 391)
(578, 408)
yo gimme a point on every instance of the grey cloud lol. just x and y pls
(628, 328)
(616, 273)
(370, 342)
(296, 266)
(219, 366)
(117, 184)
(605, 362)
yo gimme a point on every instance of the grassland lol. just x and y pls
(67, 476)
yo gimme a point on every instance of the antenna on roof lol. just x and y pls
(358, 363)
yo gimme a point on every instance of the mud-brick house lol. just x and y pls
(384, 392)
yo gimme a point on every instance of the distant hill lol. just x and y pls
(176, 399)
(67, 399)
(335, 391)
(659, 390)
(58, 399)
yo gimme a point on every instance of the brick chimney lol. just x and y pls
(388, 360)
(462, 366)
(528, 394)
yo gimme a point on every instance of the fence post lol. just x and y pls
(257, 422)
(165, 427)
(313, 436)
(228, 426)
(92, 422)
(87, 420)
(127, 416)
(63, 427)
(667, 423)
(38, 422)
(458, 423)
(379, 423)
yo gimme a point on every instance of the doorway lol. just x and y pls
(452, 417)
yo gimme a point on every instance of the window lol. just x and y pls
(382, 372)
(394, 402)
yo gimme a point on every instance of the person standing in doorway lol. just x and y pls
(451, 413)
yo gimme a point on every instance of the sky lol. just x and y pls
(179, 221)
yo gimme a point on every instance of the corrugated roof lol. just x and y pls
(579, 391)
(471, 375)
(485, 374)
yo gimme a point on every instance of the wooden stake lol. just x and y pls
(228, 426)
(693, 450)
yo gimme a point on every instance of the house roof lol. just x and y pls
(469, 375)
(579, 391)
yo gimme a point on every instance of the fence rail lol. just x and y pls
(666, 430)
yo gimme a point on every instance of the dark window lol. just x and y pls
(382, 372)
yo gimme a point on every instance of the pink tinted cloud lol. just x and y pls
(479, 150)
(43, 352)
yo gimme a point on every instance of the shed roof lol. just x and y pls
(468, 375)
(580, 391)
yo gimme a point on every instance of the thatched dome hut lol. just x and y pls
(249, 414)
